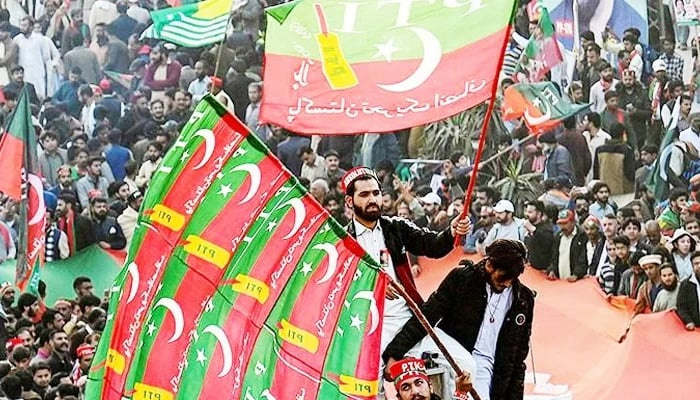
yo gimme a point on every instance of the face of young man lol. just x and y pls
(496, 280)
(366, 201)
(414, 389)
(621, 251)
(651, 270)
(42, 377)
(668, 278)
(632, 232)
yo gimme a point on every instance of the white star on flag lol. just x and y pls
(201, 357)
(225, 190)
(386, 49)
(306, 268)
(185, 155)
(151, 329)
(356, 322)
(271, 226)
(537, 103)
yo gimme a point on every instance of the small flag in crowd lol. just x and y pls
(335, 67)
(122, 79)
(21, 181)
(193, 25)
(539, 104)
(542, 50)
(237, 278)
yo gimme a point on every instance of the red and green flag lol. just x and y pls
(542, 50)
(539, 104)
(22, 181)
(238, 279)
(122, 79)
(338, 67)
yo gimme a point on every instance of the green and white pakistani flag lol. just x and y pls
(193, 25)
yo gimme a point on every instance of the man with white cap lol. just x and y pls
(434, 218)
(507, 226)
(647, 293)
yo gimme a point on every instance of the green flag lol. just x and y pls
(237, 278)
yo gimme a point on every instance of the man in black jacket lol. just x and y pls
(688, 307)
(569, 250)
(539, 236)
(107, 231)
(387, 239)
(488, 312)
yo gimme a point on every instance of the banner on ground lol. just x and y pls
(237, 278)
(539, 104)
(595, 16)
(338, 67)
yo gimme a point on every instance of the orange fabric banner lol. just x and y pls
(575, 341)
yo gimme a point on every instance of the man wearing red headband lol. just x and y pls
(412, 382)
(387, 239)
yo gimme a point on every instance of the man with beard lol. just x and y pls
(689, 296)
(634, 100)
(96, 320)
(649, 290)
(67, 93)
(539, 235)
(507, 226)
(568, 250)
(92, 181)
(487, 311)
(161, 74)
(18, 83)
(668, 296)
(107, 231)
(33, 56)
(77, 227)
(411, 381)
(674, 62)
(434, 218)
(387, 239)
(76, 27)
(127, 219)
(612, 114)
(200, 86)
(7, 296)
(557, 158)
(153, 158)
(598, 90)
(60, 360)
(181, 112)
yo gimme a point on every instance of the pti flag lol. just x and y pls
(192, 25)
(542, 49)
(540, 104)
(22, 181)
(333, 66)
(238, 279)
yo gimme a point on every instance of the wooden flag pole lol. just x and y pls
(221, 45)
(429, 329)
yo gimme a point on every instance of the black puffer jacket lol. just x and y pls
(460, 304)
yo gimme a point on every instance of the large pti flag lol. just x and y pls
(333, 66)
(238, 284)
(539, 104)
(192, 25)
(22, 181)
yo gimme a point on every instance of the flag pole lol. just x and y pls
(221, 46)
(429, 329)
(482, 137)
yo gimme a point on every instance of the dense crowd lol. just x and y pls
(107, 105)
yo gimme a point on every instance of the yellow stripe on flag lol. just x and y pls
(115, 361)
(167, 217)
(252, 287)
(211, 9)
(207, 251)
(298, 337)
(148, 392)
(352, 386)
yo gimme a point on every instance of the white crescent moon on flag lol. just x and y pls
(373, 310)
(255, 177)
(332, 260)
(299, 215)
(209, 142)
(176, 312)
(40, 213)
(225, 348)
(432, 54)
(539, 120)
(135, 279)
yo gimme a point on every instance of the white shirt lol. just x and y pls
(318, 170)
(198, 88)
(484, 352)
(597, 96)
(593, 143)
(372, 241)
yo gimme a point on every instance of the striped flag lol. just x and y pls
(193, 25)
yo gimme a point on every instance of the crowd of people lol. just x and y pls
(106, 106)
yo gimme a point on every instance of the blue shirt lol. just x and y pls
(117, 157)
